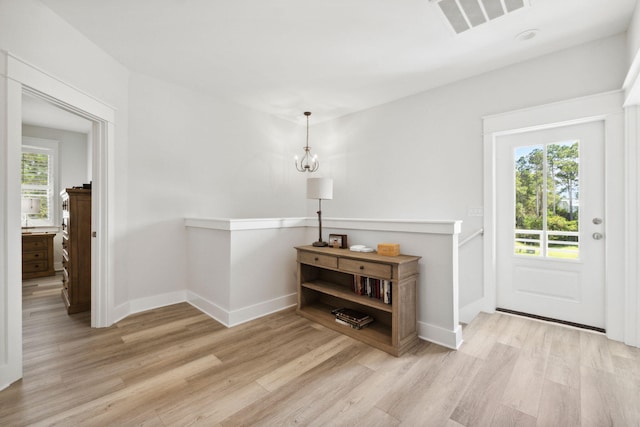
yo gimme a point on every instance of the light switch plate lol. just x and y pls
(475, 211)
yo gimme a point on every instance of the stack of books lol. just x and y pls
(353, 318)
(374, 288)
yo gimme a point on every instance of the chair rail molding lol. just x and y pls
(396, 225)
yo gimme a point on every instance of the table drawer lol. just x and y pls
(318, 259)
(365, 268)
(34, 256)
(34, 244)
(35, 266)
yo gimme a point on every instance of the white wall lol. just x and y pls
(209, 268)
(193, 156)
(438, 281)
(242, 269)
(236, 275)
(33, 33)
(633, 36)
(421, 157)
(250, 263)
(632, 227)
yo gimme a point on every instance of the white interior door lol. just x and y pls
(550, 223)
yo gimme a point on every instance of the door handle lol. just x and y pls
(597, 221)
(597, 236)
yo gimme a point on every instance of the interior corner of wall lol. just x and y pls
(471, 310)
(438, 335)
(120, 312)
(209, 308)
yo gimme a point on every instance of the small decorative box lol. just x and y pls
(389, 249)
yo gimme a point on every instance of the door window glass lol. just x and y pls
(547, 200)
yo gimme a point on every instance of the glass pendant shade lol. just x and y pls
(309, 162)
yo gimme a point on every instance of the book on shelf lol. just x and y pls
(342, 322)
(379, 289)
(353, 318)
(351, 325)
(350, 314)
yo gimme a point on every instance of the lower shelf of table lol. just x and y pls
(375, 334)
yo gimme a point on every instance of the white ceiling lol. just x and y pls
(331, 57)
(38, 112)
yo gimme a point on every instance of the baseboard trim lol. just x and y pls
(209, 308)
(447, 338)
(219, 314)
(120, 312)
(245, 314)
(231, 318)
(148, 303)
(469, 312)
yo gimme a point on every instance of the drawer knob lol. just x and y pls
(315, 259)
(362, 267)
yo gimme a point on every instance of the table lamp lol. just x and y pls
(320, 188)
(29, 207)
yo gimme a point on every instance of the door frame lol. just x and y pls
(549, 285)
(21, 77)
(605, 107)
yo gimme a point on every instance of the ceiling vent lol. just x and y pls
(463, 15)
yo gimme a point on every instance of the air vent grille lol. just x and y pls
(463, 15)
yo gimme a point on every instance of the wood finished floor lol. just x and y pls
(176, 366)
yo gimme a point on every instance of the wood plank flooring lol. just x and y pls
(174, 366)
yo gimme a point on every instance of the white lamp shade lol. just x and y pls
(30, 206)
(320, 188)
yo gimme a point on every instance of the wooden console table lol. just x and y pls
(328, 278)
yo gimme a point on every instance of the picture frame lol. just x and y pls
(338, 241)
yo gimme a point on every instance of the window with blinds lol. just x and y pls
(37, 185)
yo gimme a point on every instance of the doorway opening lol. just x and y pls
(96, 170)
(56, 159)
(23, 79)
(550, 211)
(604, 110)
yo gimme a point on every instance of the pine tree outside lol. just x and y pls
(547, 206)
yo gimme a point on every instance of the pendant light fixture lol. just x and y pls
(308, 163)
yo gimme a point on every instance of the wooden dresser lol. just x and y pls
(330, 279)
(76, 249)
(37, 255)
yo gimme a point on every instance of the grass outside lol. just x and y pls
(562, 252)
